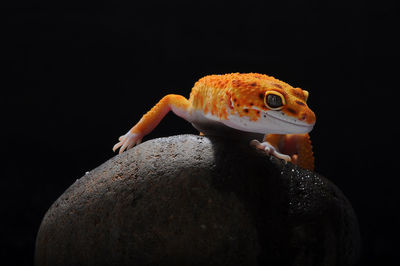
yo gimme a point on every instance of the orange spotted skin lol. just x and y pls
(245, 102)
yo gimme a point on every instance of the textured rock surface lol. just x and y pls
(191, 200)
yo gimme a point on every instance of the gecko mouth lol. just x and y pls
(290, 121)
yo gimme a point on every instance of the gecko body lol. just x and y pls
(240, 105)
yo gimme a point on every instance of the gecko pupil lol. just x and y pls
(274, 101)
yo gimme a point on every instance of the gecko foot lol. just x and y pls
(127, 141)
(269, 149)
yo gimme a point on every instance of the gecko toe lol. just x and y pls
(131, 145)
(121, 150)
(270, 150)
(281, 156)
(127, 141)
(116, 146)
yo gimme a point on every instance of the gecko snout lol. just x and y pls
(307, 116)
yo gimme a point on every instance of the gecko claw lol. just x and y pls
(270, 150)
(127, 141)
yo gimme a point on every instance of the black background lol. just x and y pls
(77, 78)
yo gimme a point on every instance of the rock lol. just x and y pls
(192, 200)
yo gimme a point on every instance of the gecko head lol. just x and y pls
(272, 106)
(288, 110)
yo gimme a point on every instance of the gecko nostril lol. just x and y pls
(307, 116)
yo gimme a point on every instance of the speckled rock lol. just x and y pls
(192, 200)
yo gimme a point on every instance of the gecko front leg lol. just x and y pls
(177, 103)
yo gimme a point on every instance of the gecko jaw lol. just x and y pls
(300, 127)
(283, 118)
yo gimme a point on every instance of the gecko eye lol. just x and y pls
(274, 100)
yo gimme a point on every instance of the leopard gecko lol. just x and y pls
(270, 113)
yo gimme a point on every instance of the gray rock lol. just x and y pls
(192, 200)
